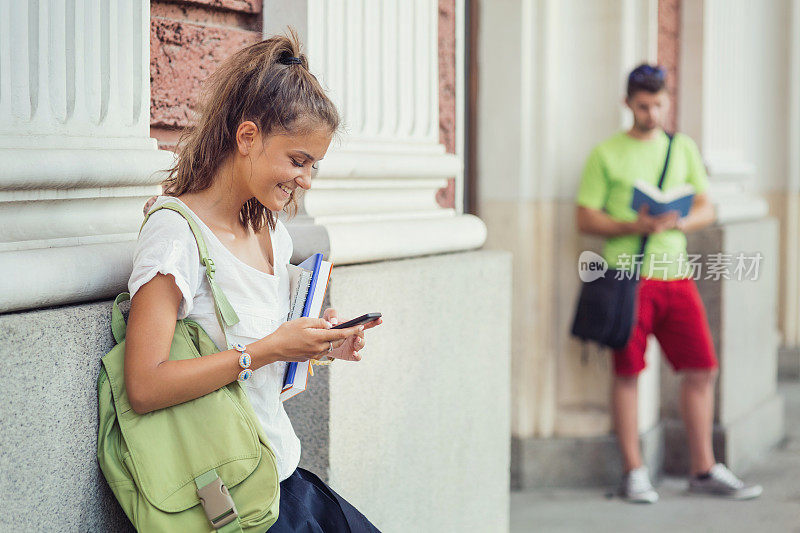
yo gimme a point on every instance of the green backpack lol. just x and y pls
(201, 465)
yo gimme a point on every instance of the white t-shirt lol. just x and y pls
(167, 245)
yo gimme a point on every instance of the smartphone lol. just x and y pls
(363, 319)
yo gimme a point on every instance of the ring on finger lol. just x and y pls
(330, 347)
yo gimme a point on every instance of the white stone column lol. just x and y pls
(790, 352)
(537, 58)
(529, 175)
(733, 71)
(793, 209)
(715, 87)
(76, 157)
(375, 192)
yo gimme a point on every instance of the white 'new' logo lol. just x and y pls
(591, 266)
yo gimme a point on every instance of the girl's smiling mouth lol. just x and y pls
(286, 190)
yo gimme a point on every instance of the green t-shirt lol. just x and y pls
(607, 184)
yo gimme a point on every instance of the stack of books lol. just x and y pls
(308, 283)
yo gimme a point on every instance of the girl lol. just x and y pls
(264, 123)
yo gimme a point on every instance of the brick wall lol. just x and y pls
(188, 38)
(445, 197)
(669, 29)
(447, 74)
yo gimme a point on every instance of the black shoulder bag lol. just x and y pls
(606, 306)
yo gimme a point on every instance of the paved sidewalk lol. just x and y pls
(778, 509)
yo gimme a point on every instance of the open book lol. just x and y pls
(677, 199)
(308, 282)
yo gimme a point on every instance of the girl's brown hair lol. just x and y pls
(268, 83)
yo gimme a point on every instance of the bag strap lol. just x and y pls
(224, 310)
(118, 326)
(660, 185)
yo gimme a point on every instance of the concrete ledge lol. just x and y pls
(738, 444)
(403, 447)
(789, 362)
(419, 429)
(751, 437)
(310, 416)
(577, 462)
(49, 476)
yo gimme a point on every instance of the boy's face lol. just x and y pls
(649, 109)
(286, 162)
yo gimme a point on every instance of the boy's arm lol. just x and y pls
(592, 196)
(700, 215)
(597, 222)
(702, 212)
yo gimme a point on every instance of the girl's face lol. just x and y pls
(285, 163)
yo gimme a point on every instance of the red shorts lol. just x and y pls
(674, 313)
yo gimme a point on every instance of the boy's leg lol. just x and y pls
(628, 363)
(636, 486)
(697, 410)
(624, 405)
(685, 337)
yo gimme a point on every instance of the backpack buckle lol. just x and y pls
(210, 268)
(217, 503)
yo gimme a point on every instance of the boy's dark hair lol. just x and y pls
(650, 78)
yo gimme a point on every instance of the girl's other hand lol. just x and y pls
(149, 204)
(348, 350)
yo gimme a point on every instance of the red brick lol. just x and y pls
(445, 196)
(246, 6)
(182, 55)
(669, 29)
(205, 16)
(447, 74)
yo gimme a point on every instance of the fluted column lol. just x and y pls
(790, 356)
(716, 86)
(375, 192)
(76, 157)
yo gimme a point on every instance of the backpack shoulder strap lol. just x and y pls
(670, 137)
(225, 313)
(118, 326)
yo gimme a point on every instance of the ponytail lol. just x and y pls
(268, 83)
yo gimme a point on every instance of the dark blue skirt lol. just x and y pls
(309, 505)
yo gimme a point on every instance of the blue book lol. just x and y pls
(296, 376)
(676, 199)
(313, 264)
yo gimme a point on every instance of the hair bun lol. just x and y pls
(290, 60)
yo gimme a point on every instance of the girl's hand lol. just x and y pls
(149, 204)
(309, 338)
(348, 350)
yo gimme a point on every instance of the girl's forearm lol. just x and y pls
(174, 382)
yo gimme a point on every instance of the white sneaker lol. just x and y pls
(723, 482)
(636, 487)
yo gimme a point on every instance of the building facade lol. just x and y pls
(92, 96)
(473, 376)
